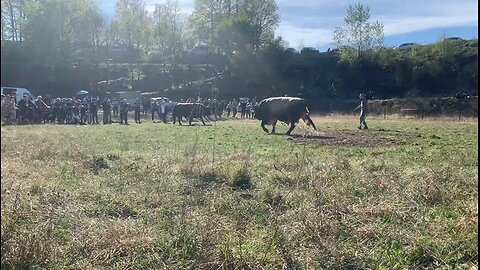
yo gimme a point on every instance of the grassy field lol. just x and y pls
(402, 195)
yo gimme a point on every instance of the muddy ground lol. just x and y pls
(364, 138)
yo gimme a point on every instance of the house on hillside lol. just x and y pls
(406, 45)
(200, 50)
(309, 50)
(121, 53)
(203, 54)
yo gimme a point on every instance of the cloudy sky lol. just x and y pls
(310, 23)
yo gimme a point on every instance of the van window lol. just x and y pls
(8, 91)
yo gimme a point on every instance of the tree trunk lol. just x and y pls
(12, 21)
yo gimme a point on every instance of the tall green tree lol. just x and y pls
(168, 31)
(207, 15)
(235, 35)
(133, 23)
(261, 16)
(358, 36)
(13, 15)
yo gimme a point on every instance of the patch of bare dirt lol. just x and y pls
(365, 138)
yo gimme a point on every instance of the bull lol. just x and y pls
(285, 109)
(190, 111)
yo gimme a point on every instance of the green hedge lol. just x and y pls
(420, 106)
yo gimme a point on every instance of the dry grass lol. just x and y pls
(154, 197)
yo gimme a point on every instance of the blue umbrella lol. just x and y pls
(82, 92)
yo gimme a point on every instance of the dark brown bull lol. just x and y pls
(285, 109)
(190, 111)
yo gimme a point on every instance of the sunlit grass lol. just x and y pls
(230, 196)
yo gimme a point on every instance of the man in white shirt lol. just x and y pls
(163, 111)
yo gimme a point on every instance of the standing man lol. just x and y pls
(115, 107)
(23, 109)
(249, 109)
(83, 112)
(163, 111)
(136, 107)
(42, 107)
(153, 109)
(253, 104)
(94, 112)
(124, 112)
(220, 107)
(229, 109)
(62, 111)
(243, 108)
(107, 111)
(363, 110)
(233, 107)
(69, 111)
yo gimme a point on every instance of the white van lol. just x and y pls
(19, 92)
(168, 102)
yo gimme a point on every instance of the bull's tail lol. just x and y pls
(306, 118)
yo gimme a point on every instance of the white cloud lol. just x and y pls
(398, 17)
(408, 25)
(298, 37)
(311, 22)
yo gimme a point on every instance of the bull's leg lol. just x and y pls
(180, 120)
(263, 126)
(273, 127)
(201, 118)
(292, 126)
(190, 120)
(174, 118)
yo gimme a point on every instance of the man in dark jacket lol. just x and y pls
(94, 112)
(24, 109)
(136, 107)
(107, 111)
(153, 108)
(124, 112)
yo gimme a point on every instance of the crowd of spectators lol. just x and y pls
(85, 111)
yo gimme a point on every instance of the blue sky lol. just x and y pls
(310, 23)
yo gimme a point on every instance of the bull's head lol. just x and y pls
(257, 112)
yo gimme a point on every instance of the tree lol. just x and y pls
(168, 33)
(208, 14)
(358, 35)
(133, 23)
(260, 15)
(235, 35)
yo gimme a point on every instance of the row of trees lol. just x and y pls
(61, 46)
(439, 69)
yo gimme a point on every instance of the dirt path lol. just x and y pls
(365, 138)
